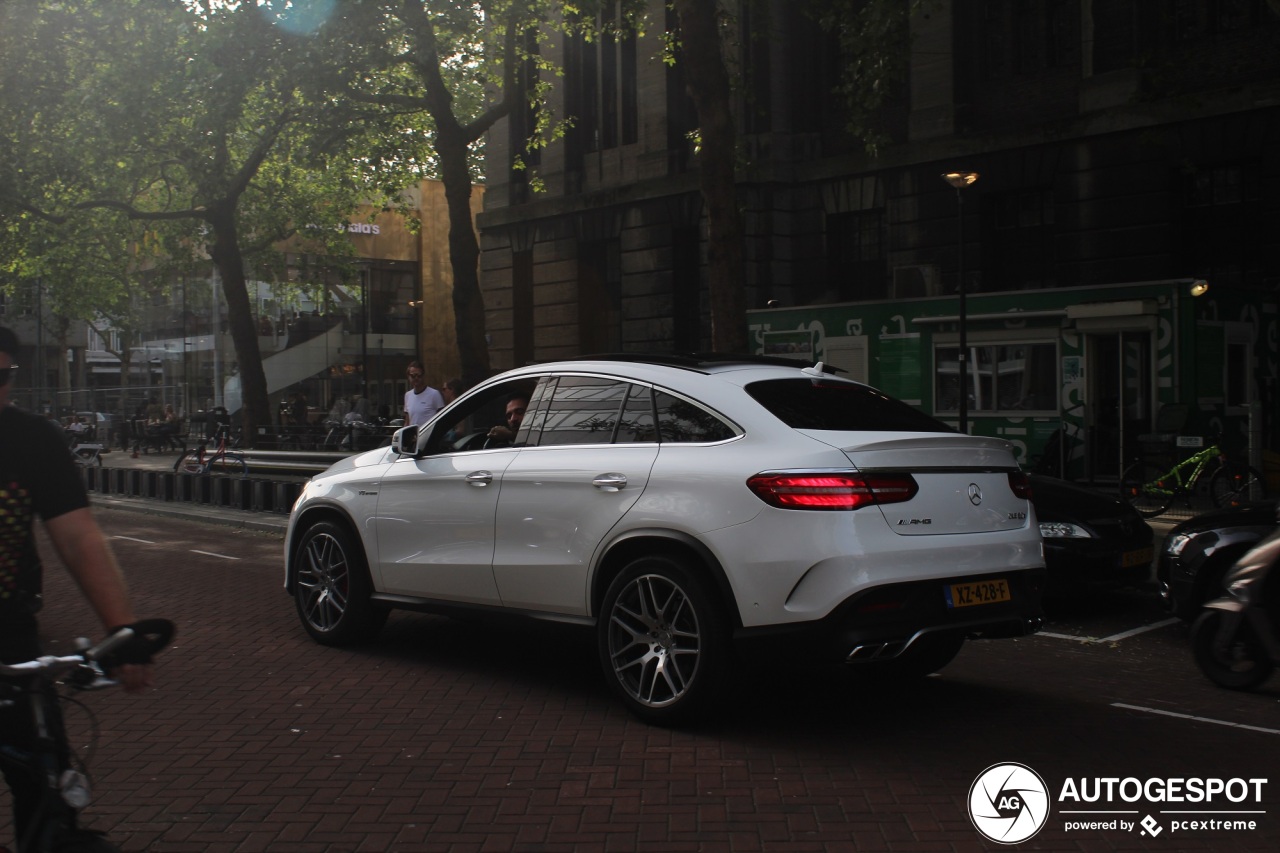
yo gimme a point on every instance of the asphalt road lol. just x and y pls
(477, 736)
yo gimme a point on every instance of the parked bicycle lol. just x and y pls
(37, 686)
(88, 455)
(220, 460)
(1151, 485)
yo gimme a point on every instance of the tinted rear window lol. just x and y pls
(842, 406)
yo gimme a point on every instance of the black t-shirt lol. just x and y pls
(38, 477)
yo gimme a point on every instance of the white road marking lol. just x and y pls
(1114, 638)
(1197, 719)
(1124, 635)
(212, 554)
(133, 539)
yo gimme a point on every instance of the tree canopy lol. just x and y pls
(203, 122)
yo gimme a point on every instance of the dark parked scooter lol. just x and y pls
(1236, 639)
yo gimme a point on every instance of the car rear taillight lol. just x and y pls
(824, 490)
(1021, 484)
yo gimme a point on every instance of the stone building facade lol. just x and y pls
(1119, 142)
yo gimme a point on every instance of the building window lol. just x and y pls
(1023, 226)
(1012, 378)
(856, 255)
(1220, 233)
(1115, 35)
(601, 85)
(1194, 20)
(1027, 37)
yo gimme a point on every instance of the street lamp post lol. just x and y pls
(960, 180)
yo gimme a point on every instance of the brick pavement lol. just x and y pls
(461, 736)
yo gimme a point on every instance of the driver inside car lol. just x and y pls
(516, 406)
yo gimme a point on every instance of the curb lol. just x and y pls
(256, 521)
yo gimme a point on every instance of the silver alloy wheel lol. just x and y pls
(324, 583)
(654, 642)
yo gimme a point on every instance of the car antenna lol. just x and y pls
(818, 369)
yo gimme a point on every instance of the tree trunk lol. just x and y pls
(464, 259)
(708, 85)
(225, 251)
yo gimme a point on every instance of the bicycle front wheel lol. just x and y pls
(1144, 487)
(191, 462)
(88, 458)
(231, 464)
(1234, 484)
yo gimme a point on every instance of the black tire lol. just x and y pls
(926, 655)
(332, 589)
(230, 464)
(1233, 484)
(663, 641)
(1142, 487)
(1240, 664)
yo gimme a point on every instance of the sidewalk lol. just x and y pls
(162, 462)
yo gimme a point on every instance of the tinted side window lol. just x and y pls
(843, 406)
(583, 410)
(638, 420)
(682, 421)
(473, 415)
(535, 416)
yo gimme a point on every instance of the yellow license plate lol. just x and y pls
(978, 592)
(1141, 557)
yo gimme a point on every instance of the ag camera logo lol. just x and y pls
(1008, 803)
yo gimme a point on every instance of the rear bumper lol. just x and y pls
(881, 622)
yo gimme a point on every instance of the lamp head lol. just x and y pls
(1199, 287)
(960, 180)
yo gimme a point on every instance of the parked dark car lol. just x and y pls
(1091, 539)
(1198, 552)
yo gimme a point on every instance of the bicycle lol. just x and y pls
(88, 455)
(221, 460)
(48, 758)
(1151, 488)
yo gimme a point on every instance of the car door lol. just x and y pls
(591, 446)
(435, 515)
(435, 525)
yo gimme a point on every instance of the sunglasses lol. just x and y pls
(6, 374)
(415, 375)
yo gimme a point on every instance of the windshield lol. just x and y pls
(841, 406)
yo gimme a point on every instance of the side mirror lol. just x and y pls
(405, 441)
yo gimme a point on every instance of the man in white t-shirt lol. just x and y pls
(420, 402)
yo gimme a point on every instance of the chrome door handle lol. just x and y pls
(610, 482)
(480, 478)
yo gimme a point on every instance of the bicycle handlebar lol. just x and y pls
(128, 644)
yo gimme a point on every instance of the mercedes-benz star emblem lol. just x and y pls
(975, 494)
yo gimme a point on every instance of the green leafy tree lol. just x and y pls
(201, 120)
(449, 72)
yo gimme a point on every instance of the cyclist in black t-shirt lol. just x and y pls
(38, 478)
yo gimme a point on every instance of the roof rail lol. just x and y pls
(701, 360)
